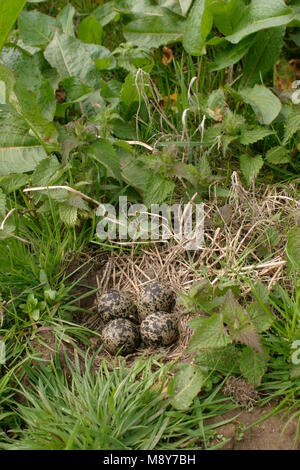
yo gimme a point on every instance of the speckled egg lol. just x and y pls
(120, 335)
(154, 297)
(115, 304)
(159, 329)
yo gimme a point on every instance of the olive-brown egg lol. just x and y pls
(120, 335)
(159, 329)
(154, 297)
(115, 304)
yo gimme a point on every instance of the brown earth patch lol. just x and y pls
(272, 434)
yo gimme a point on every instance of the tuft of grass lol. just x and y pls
(116, 408)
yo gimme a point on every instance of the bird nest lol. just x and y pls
(244, 238)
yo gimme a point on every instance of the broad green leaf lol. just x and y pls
(293, 247)
(263, 102)
(7, 77)
(250, 167)
(231, 54)
(36, 29)
(261, 15)
(253, 365)
(27, 107)
(251, 136)
(70, 57)
(155, 31)
(103, 152)
(78, 202)
(75, 89)
(209, 333)
(185, 5)
(9, 12)
(129, 93)
(46, 170)
(65, 19)
(19, 152)
(101, 56)
(90, 31)
(135, 173)
(292, 125)
(20, 156)
(225, 360)
(2, 204)
(13, 182)
(260, 318)
(158, 189)
(262, 56)
(241, 328)
(106, 13)
(185, 386)
(226, 14)
(25, 68)
(46, 100)
(278, 155)
(198, 26)
(68, 214)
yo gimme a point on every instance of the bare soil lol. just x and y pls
(269, 435)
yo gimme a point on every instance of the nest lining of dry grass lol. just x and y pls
(230, 252)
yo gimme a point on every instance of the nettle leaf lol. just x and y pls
(250, 167)
(224, 360)
(262, 56)
(185, 386)
(263, 102)
(293, 247)
(65, 19)
(292, 125)
(240, 326)
(36, 29)
(278, 155)
(251, 136)
(158, 189)
(103, 152)
(68, 214)
(90, 30)
(46, 171)
(197, 28)
(260, 318)
(260, 15)
(209, 333)
(71, 58)
(135, 173)
(155, 30)
(13, 182)
(253, 366)
(9, 12)
(78, 202)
